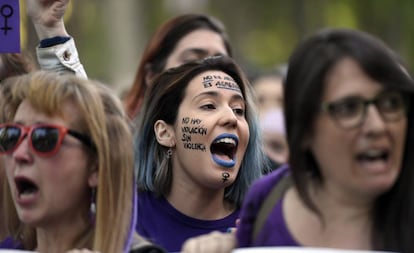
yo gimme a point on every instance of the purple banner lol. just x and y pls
(9, 26)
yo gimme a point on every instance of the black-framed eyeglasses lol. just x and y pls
(350, 112)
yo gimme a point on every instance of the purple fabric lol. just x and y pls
(161, 223)
(274, 231)
(10, 243)
(133, 224)
(9, 26)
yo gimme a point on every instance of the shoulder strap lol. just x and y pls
(269, 203)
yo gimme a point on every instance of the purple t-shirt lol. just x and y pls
(10, 243)
(161, 223)
(274, 231)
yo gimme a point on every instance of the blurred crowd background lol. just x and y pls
(110, 34)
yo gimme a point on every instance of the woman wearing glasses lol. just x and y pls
(350, 130)
(68, 157)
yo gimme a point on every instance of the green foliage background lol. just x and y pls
(263, 32)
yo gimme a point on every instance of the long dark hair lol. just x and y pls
(393, 212)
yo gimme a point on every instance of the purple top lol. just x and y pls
(161, 223)
(10, 243)
(274, 231)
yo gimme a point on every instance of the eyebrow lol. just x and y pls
(237, 96)
(199, 51)
(41, 122)
(195, 50)
(358, 95)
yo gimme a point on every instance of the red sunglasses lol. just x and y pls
(45, 139)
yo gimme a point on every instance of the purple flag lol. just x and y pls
(9, 26)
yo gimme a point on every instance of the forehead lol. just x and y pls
(28, 114)
(348, 78)
(202, 39)
(213, 80)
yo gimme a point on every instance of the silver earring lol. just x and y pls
(169, 153)
(92, 208)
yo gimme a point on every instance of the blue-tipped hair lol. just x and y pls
(162, 102)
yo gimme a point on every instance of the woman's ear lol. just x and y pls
(93, 178)
(93, 170)
(164, 133)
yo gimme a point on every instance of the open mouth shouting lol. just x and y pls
(373, 155)
(223, 150)
(374, 159)
(26, 190)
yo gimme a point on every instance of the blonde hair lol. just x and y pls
(102, 118)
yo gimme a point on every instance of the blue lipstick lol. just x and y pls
(225, 139)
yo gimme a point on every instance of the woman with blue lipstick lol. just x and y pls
(198, 149)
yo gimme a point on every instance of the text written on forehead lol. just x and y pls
(224, 82)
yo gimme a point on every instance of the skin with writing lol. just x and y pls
(212, 128)
(203, 112)
(192, 127)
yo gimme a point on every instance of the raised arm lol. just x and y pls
(57, 50)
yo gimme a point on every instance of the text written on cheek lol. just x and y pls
(191, 127)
